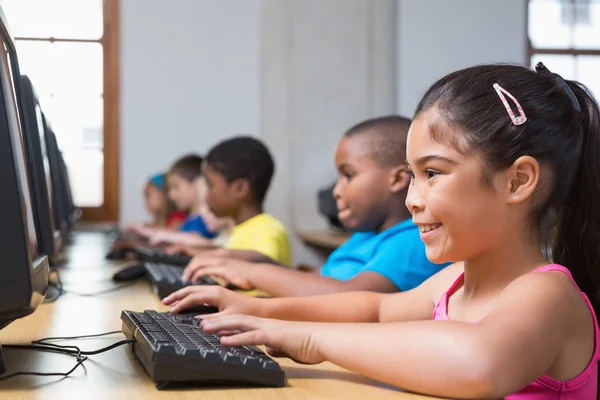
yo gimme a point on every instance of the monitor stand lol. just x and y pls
(2, 365)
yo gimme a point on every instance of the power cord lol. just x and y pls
(60, 289)
(80, 355)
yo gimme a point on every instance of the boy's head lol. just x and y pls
(181, 181)
(238, 172)
(372, 174)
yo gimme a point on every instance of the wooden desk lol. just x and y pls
(116, 374)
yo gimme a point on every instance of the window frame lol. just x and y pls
(572, 51)
(109, 210)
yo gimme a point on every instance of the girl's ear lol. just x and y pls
(399, 178)
(521, 179)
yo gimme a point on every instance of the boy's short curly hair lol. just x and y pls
(244, 157)
(388, 138)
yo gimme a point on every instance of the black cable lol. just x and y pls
(80, 356)
(74, 337)
(101, 292)
(75, 350)
(80, 361)
(61, 290)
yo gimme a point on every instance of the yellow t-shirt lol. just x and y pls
(264, 234)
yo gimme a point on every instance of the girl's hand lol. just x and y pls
(227, 301)
(282, 338)
(137, 229)
(160, 237)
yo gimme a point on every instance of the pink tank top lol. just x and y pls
(582, 387)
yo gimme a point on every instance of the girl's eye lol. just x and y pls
(431, 173)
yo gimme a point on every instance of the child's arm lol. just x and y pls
(209, 250)
(183, 238)
(190, 250)
(340, 307)
(244, 255)
(515, 343)
(141, 230)
(282, 282)
(415, 304)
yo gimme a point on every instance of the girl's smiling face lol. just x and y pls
(459, 216)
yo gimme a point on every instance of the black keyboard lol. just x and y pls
(160, 256)
(175, 350)
(166, 279)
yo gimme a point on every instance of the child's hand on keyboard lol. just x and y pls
(282, 338)
(227, 301)
(139, 229)
(235, 272)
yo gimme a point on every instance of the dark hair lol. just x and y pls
(188, 167)
(244, 157)
(388, 142)
(562, 133)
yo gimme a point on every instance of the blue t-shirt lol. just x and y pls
(195, 223)
(398, 253)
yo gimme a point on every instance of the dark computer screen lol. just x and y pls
(41, 130)
(37, 163)
(8, 85)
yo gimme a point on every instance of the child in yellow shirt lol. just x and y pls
(238, 173)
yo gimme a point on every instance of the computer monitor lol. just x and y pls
(23, 267)
(39, 167)
(64, 198)
(58, 194)
(70, 209)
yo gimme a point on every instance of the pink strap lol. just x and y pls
(441, 308)
(457, 282)
(558, 267)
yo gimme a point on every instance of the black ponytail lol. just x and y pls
(577, 240)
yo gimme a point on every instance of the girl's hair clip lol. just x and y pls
(517, 120)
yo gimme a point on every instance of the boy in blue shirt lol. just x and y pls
(385, 254)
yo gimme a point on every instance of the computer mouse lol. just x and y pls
(130, 273)
(116, 255)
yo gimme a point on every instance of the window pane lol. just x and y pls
(561, 64)
(78, 124)
(86, 172)
(73, 68)
(70, 19)
(68, 78)
(580, 68)
(549, 24)
(587, 73)
(587, 33)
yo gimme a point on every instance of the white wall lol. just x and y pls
(190, 76)
(326, 65)
(436, 37)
